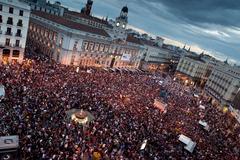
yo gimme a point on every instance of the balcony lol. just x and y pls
(18, 34)
(8, 45)
(17, 46)
(19, 24)
(8, 33)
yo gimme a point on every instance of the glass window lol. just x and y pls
(96, 47)
(85, 45)
(10, 10)
(7, 43)
(20, 24)
(75, 45)
(9, 31)
(10, 21)
(21, 13)
(16, 53)
(17, 43)
(19, 34)
(1, 7)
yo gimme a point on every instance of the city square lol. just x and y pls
(79, 87)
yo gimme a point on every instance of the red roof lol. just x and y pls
(81, 15)
(133, 39)
(148, 42)
(70, 24)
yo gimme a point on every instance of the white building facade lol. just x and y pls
(70, 42)
(14, 21)
(155, 57)
(191, 70)
(223, 84)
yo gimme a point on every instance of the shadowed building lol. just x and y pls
(236, 101)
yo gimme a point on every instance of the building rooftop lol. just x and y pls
(133, 39)
(196, 58)
(70, 24)
(81, 15)
(148, 42)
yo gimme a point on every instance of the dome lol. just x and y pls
(125, 9)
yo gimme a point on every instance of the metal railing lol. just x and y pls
(8, 33)
(18, 34)
(19, 24)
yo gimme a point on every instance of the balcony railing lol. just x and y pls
(18, 34)
(8, 45)
(8, 33)
(17, 46)
(19, 24)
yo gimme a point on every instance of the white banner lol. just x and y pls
(126, 57)
(2, 91)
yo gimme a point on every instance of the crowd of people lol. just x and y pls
(39, 92)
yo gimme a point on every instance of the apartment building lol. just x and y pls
(14, 20)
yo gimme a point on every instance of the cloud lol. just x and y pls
(222, 12)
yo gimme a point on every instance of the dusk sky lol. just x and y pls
(210, 25)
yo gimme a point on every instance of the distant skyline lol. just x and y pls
(209, 25)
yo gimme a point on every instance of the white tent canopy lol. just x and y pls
(195, 95)
(204, 124)
(143, 145)
(2, 91)
(202, 107)
(190, 145)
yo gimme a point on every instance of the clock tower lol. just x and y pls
(121, 24)
(122, 20)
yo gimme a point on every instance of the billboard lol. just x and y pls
(126, 57)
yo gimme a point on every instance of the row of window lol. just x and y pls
(89, 22)
(87, 46)
(9, 32)
(44, 32)
(10, 21)
(6, 53)
(90, 46)
(44, 10)
(8, 43)
(221, 87)
(11, 10)
(221, 78)
(43, 41)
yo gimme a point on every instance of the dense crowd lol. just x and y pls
(38, 94)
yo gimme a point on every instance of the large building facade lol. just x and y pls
(155, 57)
(191, 70)
(236, 101)
(223, 84)
(82, 40)
(14, 21)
